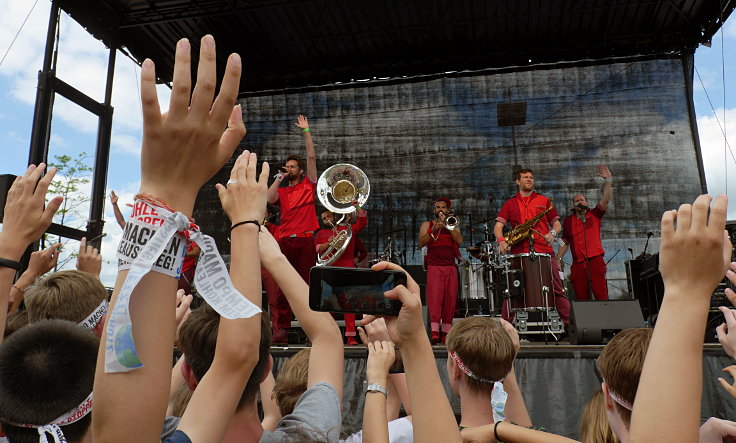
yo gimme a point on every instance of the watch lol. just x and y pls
(375, 387)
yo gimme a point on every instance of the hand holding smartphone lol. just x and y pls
(354, 290)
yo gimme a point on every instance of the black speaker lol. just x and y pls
(595, 322)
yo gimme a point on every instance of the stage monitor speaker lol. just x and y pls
(596, 322)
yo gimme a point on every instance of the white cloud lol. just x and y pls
(719, 170)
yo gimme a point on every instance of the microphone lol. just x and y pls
(583, 207)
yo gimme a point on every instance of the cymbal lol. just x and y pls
(391, 231)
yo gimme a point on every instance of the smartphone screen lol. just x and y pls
(354, 290)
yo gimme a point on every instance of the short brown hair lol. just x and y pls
(298, 159)
(291, 382)
(66, 295)
(594, 427)
(523, 171)
(484, 347)
(198, 338)
(621, 363)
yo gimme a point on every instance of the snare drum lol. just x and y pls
(472, 278)
(530, 282)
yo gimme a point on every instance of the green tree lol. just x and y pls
(72, 174)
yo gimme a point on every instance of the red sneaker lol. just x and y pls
(435, 337)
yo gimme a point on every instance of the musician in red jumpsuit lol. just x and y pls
(442, 246)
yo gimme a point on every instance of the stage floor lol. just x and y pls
(556, 379)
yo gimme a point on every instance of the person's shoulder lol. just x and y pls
(598, 211)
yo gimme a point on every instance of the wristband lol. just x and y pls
(305, 130)
(495, 432)
(12, 264)
(255, 222)
(279, 176)
(609, 179)
(22, 291)
(553, 232)
(501, 239)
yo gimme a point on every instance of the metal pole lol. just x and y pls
(102, 157)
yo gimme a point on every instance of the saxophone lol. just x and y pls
(521, 232)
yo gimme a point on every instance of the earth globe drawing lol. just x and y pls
(124, 347)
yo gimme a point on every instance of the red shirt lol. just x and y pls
(347, 258)
(189, 262)
(576, 234)
(442, 251)
(298, 210)
(518, 209)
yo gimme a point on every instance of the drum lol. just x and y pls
(529, 281)
(472, 279)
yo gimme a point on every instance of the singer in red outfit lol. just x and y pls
(582, 230)
(442, 248)
(298, 222)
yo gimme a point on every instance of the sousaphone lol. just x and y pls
(337, 187)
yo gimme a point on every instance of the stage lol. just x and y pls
(556, 381)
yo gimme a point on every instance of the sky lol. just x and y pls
(83, 63)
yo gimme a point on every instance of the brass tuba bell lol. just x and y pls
(337, 187)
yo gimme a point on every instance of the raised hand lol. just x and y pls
(603, 172)
(44, 260)
(381, 356)
(374, 331)
(302, 122)
(716, 430)
(701, 237)
(183, 148)
(113, 198)
(89, 259)
(408, 325)
(727, 331)
(25, 218)
(513, 333)
(244, 198)
(268, 247)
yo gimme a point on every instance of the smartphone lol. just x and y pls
(354, 290)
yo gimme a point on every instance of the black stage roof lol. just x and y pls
(293, 43)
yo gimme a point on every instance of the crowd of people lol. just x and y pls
(73, 369)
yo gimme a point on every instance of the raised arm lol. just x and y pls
(375, 424)
(191, 143)
(432, 415)
(273, 190)
(116, 209)
(24, 221)
(607, 187)
(41, 262)
(236, 353)
(326, 358)
(303, 124)
(693, 258)
(515, 410)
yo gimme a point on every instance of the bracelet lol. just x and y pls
(22, 291)
(305, 130)
(495, 432)
(375, 387)
(255, 222)
(12, 264)
(501, 240)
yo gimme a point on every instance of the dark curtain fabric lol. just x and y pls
(556, 385)
(419, 139)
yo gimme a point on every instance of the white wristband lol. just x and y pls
(609, 179)
(279, 177)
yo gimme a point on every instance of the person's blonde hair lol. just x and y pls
(620, 365)
(484, 347)
(594, 427)
(64, 295)
(291, 382)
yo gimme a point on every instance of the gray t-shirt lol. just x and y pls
(316, 416)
